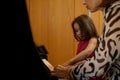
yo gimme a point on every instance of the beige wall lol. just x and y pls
(51, 26)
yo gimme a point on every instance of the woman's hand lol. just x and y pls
(61, 71)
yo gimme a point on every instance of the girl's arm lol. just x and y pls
(83, 54)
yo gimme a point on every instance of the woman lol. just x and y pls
(106, 61)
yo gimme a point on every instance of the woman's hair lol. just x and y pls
(86, 26)
(106, 3)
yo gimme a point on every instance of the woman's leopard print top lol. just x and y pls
(106, 61)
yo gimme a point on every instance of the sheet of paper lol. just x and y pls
(50, 66)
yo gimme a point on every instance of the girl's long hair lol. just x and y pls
(86, 26)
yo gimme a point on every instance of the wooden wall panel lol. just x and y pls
(80, 8)
(60, 37)
(51, 26)
(97, 19)
(39, 21)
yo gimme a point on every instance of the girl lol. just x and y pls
(84, 32)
